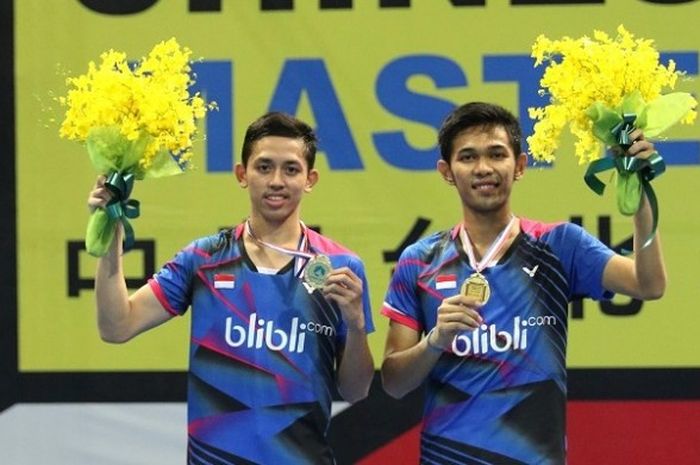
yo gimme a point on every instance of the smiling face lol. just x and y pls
(483, 168)
(277, 176)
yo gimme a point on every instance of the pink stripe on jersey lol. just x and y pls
(430, 291)
(436, 269)
(160, 295)
(537, 229)
(324, 245)
(197, 251)
(401, 318)
(239, 230)
(212, 345)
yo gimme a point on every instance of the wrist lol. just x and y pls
(432, 346)
(356, 324)
(360, 330)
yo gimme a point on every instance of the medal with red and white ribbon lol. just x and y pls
(476, 285)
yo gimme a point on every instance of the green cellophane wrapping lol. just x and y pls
(110, 152)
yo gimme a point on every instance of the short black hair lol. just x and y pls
(475, 114)
(283, 125)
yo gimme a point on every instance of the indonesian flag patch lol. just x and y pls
(224, 281)
(446, 281)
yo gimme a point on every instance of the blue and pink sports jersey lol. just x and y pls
(263, 352)
(498, 396)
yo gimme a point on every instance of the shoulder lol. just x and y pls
(538, 229)
(430, 246)
(327, 246)
(207, 247)
(552, 232)
(570, 242)
(428, 253)
(336, 252)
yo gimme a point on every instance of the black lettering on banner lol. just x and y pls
(76, 282)
(128, 7)
(407, 3)
(557, 2)
(419, 227)
(274, 5)
(205, 5)
(118, 7)
(669, 2)
(634, 306)
(576, 307)
(336, 4)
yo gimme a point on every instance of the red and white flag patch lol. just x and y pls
(446, 281)
(224, 281)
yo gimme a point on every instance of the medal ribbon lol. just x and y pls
(297, 254)
(493, 249)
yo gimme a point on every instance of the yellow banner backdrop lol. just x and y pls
(376, 81)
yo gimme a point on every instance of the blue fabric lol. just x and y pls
(499, 395)
(262, 355)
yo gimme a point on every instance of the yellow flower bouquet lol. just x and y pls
(603, 88)
(137, 122)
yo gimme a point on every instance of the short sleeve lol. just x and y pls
(172, 284)
(401, 302)
(589, 258)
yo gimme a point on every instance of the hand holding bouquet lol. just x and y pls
(137, 122)
(603, 89)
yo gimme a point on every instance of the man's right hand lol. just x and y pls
(99, 195)
(454, 315)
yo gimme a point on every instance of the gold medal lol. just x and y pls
(476, 286)
(317, 270)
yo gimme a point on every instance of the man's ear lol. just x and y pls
(444, 168)
(311, 180)
(239, 171)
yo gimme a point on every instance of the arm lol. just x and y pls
(643, 277)
(120, 317)
(408, 360)
(356, 366)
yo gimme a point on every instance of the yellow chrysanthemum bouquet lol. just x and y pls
(603, 88)
(137, 121)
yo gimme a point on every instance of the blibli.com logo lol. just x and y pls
(489, 338)
(259, 333)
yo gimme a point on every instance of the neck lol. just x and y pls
(282, 233)
(483, 228)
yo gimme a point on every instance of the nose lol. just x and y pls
(482, 166)
(277, 178)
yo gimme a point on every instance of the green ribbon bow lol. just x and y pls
(121, 208)
(102, 224)
(111, 152)
(622, 130)
(634, 175)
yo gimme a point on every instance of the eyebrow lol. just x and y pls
(488, 149)
(264, 159)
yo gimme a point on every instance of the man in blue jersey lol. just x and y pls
(490, 297)
(280, 313)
